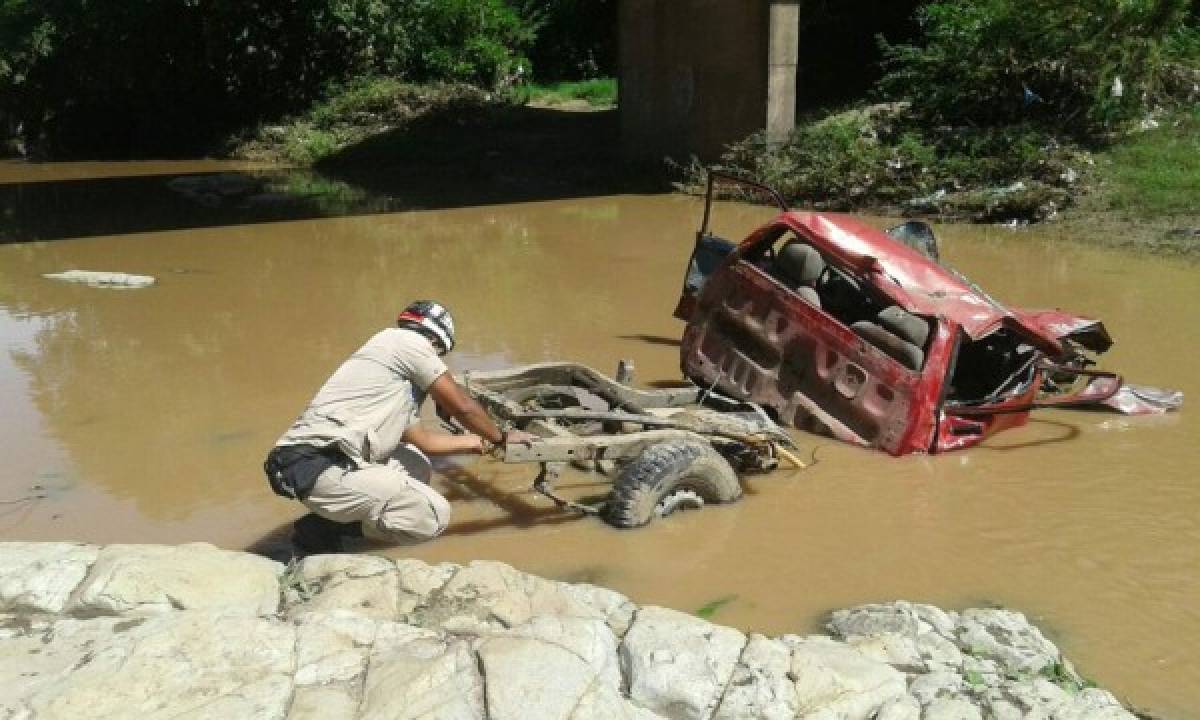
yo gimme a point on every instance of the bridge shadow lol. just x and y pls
(506, 154)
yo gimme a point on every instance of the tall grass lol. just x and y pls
(598, 92)
(1157, 173)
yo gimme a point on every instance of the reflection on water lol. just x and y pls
(143, 416)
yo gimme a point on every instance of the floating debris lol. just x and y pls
(103, 279)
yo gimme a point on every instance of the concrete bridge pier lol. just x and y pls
(696, 75)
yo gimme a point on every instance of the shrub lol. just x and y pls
(127, 76)
(1087, 67)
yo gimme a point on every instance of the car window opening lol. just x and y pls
(799, 267)
(991, 369)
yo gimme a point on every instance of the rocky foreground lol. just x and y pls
(145, 631)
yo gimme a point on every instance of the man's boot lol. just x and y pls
(316, 535)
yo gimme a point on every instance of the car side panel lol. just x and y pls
(751, 337)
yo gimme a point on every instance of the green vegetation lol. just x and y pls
(1157, 173)
(996, 111)
(710, 609)
(355, 113)
(598, 93)
(81, 78)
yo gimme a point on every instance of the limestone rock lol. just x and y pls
(588, 639)
(321, 702)
(152, 579)
(952, 708)
(363, 584)
(529, 679)
(931, 686)
(1035, 697)
(486, 594)
(760, 686)
(332, 648)
(415, 673)
(835, 681)
(902, 708)
(616, 608)
(1007, 638)
(39, 577)
(418, 581)
(678, 665)
(1094, 704)
(197, 664)
(910, 637)
(603, 703)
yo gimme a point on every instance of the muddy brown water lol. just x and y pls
(143, 416)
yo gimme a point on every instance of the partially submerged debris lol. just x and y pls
(103, 279)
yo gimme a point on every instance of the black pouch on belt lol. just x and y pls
(292, 470)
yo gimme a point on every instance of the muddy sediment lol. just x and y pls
(142, 415)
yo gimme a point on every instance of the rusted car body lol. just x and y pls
(844, 329)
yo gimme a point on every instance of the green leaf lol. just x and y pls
(711, 608)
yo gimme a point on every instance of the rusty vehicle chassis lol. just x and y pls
(633, 420)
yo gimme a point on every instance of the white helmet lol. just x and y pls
(431, 320)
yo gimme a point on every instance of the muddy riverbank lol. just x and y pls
(143, 415)
(155, 631)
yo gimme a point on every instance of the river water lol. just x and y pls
(143, 415)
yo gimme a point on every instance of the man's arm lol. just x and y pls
(432, 443)
(463, 408)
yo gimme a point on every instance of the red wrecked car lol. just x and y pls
(843, 329)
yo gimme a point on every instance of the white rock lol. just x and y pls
(492, 595)
(952, 708)
(1006, 637)
(322, 703)
(930, 686)
(39, 577)
(196, 664)
(101, 278)
(332, 647)
(363, 584)
(151, 579)
(901, 708)
(1094, 704)
(413, 673)
(760, 686)
(616, 608)
(528, 679)
(589, 639)
(1036, 695)
(910, 637)
(678, 665)
(418, 581)
(603, 703)
(835, 681)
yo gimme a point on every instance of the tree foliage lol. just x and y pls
(120, 76)
(1088, 66)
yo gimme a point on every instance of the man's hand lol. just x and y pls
(519, 437)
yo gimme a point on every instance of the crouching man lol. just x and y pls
(348, 456)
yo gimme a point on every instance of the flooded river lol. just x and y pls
(143, 415)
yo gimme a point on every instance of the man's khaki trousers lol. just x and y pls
(393, 502)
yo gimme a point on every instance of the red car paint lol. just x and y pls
(752, 335)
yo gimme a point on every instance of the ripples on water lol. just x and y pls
(142, 415)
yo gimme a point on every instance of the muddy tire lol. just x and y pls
(669, 477)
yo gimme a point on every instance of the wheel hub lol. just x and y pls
(678, 500)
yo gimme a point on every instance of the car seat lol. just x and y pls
(800, 266)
